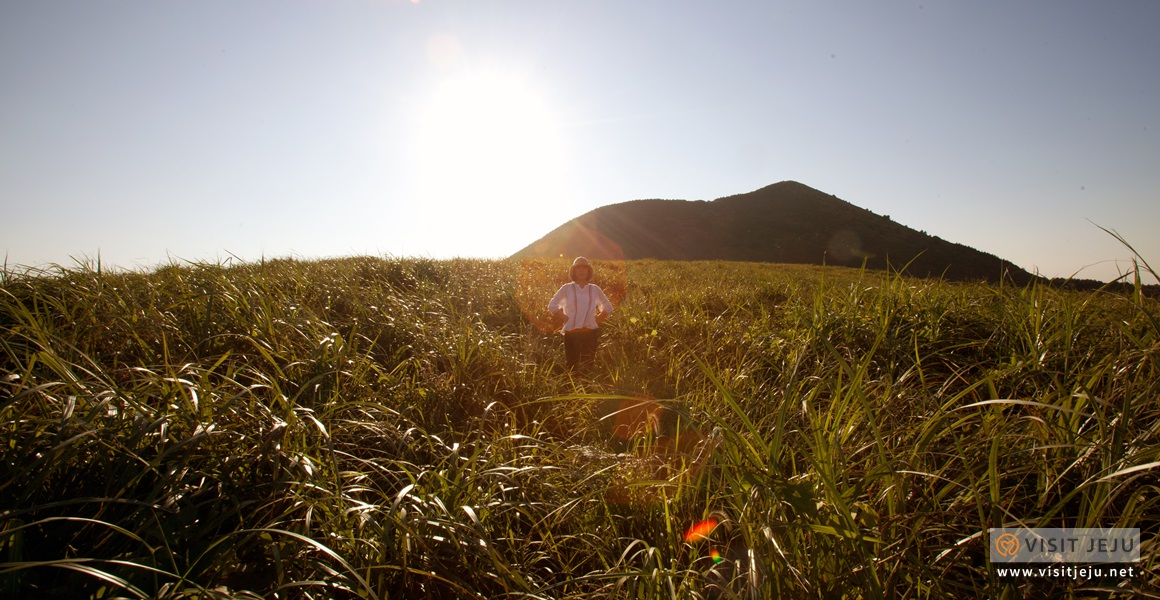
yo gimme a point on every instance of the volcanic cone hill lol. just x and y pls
(786, 222)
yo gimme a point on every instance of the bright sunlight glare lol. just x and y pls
(489, 166)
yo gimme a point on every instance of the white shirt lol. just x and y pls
(579, 304)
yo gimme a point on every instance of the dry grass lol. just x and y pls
(372, 428)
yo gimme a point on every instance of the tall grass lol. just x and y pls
(373, 428)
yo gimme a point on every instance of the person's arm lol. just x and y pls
(605, 307)
(555, 307)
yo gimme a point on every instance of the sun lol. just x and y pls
(489, 166)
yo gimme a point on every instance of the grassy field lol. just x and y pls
(371, 428)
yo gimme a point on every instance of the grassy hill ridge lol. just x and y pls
(786, 222)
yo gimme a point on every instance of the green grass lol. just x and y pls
(372, 428)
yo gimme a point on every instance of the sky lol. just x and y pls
(154, 132)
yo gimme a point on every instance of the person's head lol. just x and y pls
(581, 271)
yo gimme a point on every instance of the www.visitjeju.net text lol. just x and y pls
(1069, 572)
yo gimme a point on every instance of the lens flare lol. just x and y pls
(539, 278)
(636, 417)
(701, 530)
(715, 555)
(443, 50)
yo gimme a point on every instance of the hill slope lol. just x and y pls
(786, 222)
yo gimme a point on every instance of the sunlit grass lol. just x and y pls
(373, 428)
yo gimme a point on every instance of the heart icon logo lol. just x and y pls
(1007, 545)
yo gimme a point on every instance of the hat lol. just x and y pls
(580, 262)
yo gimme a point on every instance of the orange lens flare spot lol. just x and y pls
(715, 555)
(636, 417)
(701, 530)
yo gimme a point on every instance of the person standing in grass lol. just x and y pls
(581, 306)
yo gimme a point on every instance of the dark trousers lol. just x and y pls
(580, 347)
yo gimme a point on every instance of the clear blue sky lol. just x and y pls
(200, 129)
